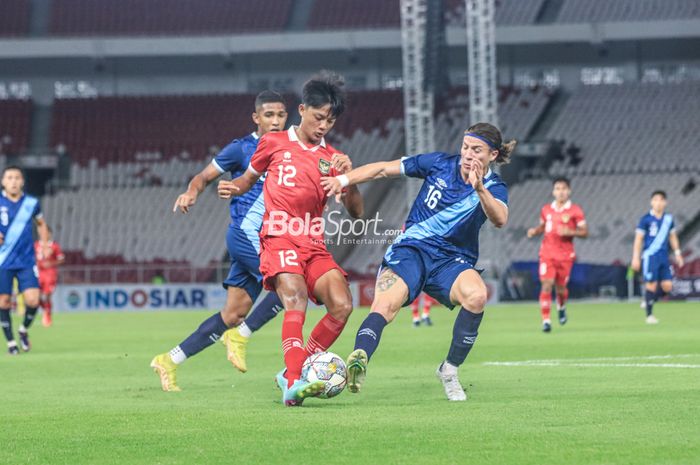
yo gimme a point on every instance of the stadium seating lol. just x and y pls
(129, 129)
(138, 17)
(357, 14)
(14, 17)
(508, 12)
(631, 128)
(578, 11)
(15, 125)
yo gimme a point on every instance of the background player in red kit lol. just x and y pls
(49, 257)
(560, 222)
(294, 260)
(428, 302)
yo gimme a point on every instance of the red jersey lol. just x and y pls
(44, 257)
(294, 198)
(555, 246)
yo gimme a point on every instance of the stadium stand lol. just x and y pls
(508, 12)
(15, 125)
(14, 18)
(358, 14)
(136, 17)
(577, 11)
(630, 128)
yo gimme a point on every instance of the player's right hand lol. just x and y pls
(226, 189)
(184, 202)
(532, 232)
(635, 265)
(332, 186)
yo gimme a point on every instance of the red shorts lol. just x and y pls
(558, 270)
(280, 255)
(47, 285)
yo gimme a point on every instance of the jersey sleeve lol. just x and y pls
(231, 158)
(260, 160)
(500, 193)
(37, 211)
(543, 215)
(58, 251)
(642, 226)
(419, 166)
(673, 225)
(580, 217)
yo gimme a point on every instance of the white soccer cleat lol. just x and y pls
(651, 320)
(447, 374)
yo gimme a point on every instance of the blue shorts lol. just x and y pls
(656, 268)
(26, 278)
(245, 263)
(428, 271)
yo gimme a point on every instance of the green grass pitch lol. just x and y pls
(612, 390)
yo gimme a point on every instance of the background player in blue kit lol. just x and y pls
(439, 248)
(18, 213)
(243, 283)
(655, 232)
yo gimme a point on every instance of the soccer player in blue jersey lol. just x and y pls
(655, 232)
(243, 283)
(439, 248)
(18, 213)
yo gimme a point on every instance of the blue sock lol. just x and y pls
(464, 335)
(6, 323)
(267, 309)
(649, 297)
(208, 333)
(29, 314)
(369, 333)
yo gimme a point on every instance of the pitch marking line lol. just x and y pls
(600, 362)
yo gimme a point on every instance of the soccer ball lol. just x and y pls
(329, 368)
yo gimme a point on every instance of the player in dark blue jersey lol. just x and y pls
(655, 232)
(243, 283)
(439, 248)
(18, 213)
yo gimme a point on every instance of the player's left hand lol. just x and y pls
(679, 261)
(226, 189)
(476, 175)
(332, 186)
(341, 163)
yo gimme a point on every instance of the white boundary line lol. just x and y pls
(590, 362)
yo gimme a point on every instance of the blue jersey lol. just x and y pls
(246, 210)
(656, 233)
(446, 216)
(16, 218)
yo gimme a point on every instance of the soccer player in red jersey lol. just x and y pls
(294, 260)
(561, 221)
(49, 257)
(428, 302)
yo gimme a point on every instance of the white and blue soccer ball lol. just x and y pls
(329, 368)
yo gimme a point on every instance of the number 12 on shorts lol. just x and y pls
(288, 258)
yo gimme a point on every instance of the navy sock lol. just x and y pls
(29, 314)
(6, 323)
(464, 335)
(649, 297)
(267, 309)
(369, 333)
(208, 333)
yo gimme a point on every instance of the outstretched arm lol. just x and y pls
(382, 169)
(196, 186)
(532, 232)
(352, 199)
(238, 186)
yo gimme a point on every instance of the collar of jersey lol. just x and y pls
(651, 212)
(293, 138)
(4, 194)
(566, 206)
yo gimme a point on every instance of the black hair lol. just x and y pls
(493, 135)
(659, 192)
(268, 96)
(324, 88)
(563, 179)
(12, 167)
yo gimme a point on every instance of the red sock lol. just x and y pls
(426, 308)
(414, 309)
(324, 334)
(562, 298)
(545, 304)
(46, 305)
(293, 344)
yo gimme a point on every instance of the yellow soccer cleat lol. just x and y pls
(236, 348)
(165, 368)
